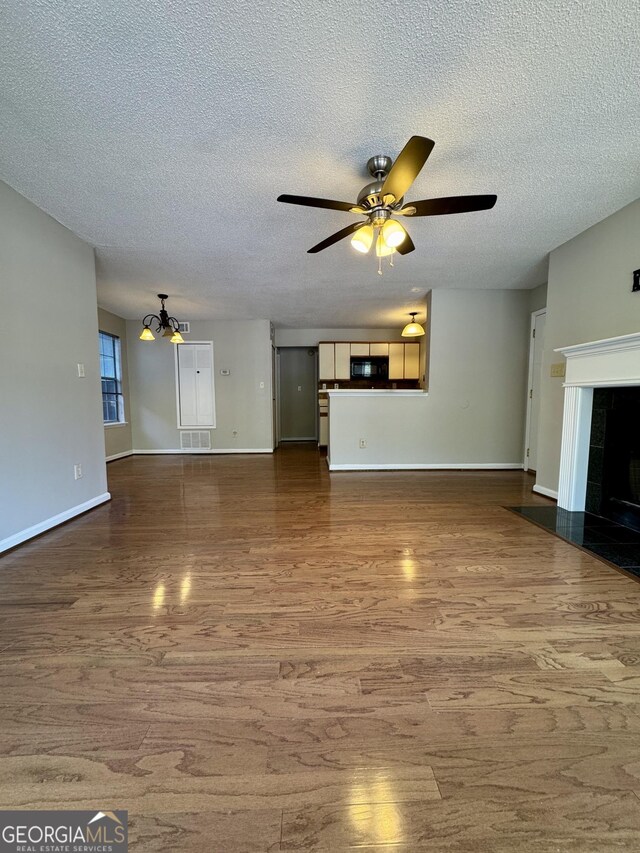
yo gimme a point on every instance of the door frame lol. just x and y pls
(532, 343)
(275, 394)
(277, 351)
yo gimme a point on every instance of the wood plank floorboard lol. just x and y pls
(250, 654)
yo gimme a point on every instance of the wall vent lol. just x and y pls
(184, 327)
(195, 440)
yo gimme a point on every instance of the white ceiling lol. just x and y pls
(162, 131)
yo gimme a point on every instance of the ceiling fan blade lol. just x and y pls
(407, 167)
(406, 246)
(339, 235)
(453, 204)
(327, 203)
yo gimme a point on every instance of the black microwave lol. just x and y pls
(370, 367)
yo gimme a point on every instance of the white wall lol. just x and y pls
(538, 298)
(589, 298)
(474, 412)
(117, 437)
(311, 337)
(241, 346)
(49, 419)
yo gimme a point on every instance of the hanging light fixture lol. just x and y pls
(362, 239)
(393, 233)
(383, 249)
(412, 329)
(169, 326)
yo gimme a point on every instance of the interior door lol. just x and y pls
(535, 375)
(298, 394)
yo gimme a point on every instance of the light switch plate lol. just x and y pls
(81, 373)
(558, 370)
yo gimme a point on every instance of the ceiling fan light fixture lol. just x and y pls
(383, 250)
(362, 239)
(393, 233)
(412, 329)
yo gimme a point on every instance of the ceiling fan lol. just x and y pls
(383, 198)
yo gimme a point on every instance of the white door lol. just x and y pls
(536, 350)
(194, 372)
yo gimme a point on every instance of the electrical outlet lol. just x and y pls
(77, 471)
(261, 385)
(363, 443)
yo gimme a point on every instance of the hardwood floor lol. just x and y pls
(249, 654)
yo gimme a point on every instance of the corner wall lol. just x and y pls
(241, 346)
(117, 437)
(49, 419)
(589, 298)
(473, 415)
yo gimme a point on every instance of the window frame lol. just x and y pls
(114, 397)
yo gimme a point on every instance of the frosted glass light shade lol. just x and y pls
(412, 329)
(146, 334)
(393, 233)
(382, 250)
(177, 338)
(362, 239)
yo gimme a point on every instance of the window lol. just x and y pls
(111, 377)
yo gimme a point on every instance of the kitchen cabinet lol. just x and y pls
(324, 430)
(396, 361)
(412, 361)
(334, 359)
(326, 362)
(343, 361)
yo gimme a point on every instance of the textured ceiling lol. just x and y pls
(162, 131)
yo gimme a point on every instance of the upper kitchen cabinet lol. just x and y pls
(326, 362)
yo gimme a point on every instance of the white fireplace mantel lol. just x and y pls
(610, 363)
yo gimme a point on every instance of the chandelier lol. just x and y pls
(169, 326)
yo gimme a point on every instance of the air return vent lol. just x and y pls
(184, 327)
(195, 440)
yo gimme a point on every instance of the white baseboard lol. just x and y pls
(430, 466)
(178, 451)
(548, 493)
(119, 455)
(54, 521)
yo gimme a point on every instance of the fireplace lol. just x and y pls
(608, 364)
(613, 474)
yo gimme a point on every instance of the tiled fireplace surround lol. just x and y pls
(610, 363)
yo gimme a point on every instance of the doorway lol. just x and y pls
(536, 350)
(298, 393)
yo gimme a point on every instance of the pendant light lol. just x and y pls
(412, 329)
(169, 326)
